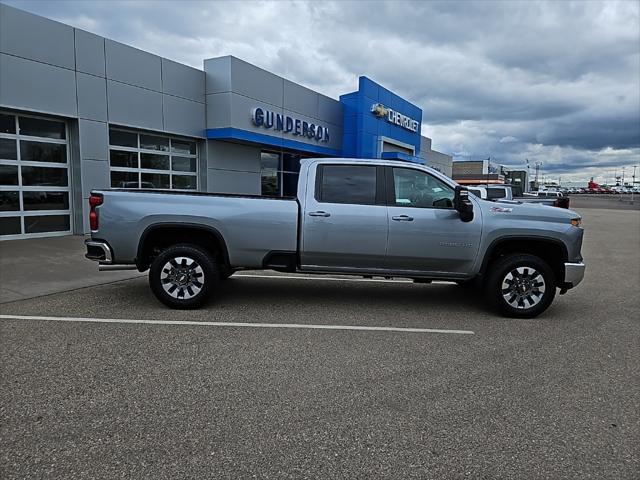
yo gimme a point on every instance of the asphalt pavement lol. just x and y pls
(554, 397)
(606, 201)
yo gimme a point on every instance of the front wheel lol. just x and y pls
(183, 276)
(521, 285)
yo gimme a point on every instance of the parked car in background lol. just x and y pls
(492, 192)
(545, 194)
(504, 193)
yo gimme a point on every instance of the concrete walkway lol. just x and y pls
(40, 266)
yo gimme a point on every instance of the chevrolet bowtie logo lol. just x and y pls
(379, 110)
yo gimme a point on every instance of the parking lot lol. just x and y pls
(445, 389)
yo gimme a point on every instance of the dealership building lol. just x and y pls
(81, 112)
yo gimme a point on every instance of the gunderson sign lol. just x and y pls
(262, 117)
(391, 116)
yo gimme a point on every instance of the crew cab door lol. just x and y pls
(344, 218)
(425, 231)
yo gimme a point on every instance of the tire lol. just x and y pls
(520, 285)
(183, 276)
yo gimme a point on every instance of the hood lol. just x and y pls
(525, 211)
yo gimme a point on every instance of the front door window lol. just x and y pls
(415, 188)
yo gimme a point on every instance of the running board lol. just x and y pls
(110, 267)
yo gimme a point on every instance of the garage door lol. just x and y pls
(34, 177)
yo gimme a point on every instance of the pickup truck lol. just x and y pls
(358, 217)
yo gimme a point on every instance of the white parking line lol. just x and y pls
(237, 324)
(330, 279)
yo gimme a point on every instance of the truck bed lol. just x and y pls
(252, 225)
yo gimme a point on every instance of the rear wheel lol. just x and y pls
(521, 285)
(183, 276)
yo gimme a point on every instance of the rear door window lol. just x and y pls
(352, 184)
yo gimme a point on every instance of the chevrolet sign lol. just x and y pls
(391, 116)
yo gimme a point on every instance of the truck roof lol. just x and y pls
(383, 162)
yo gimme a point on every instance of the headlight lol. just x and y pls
(576, 222)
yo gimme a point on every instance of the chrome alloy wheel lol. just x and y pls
(182, 278)
(523, 287)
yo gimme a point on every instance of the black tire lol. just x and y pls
(520, 285)
(187, 268)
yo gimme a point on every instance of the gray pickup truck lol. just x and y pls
(356, 217)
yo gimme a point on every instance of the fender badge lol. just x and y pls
(500, 210)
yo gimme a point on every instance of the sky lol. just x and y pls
(556, 83)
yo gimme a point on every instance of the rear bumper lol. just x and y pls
(573, 274)
(98, 251)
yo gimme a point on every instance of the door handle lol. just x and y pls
(402, 218)
(319, 214)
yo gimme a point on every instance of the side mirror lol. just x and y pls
(463, 204)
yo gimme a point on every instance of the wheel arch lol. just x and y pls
(162, 235)
(551, 250)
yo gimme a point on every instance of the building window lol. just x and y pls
(140, 160)
(279, 173)
(35, 197)
(270, 174)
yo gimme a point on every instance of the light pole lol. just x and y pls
(537, 180)
(633, 183)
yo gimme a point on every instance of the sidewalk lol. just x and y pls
(40, 266)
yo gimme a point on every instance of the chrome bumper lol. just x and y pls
(573, 274)
(98, 251)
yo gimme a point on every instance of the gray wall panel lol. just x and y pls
(94, 140)
(95, 174)
(183, 116)
(34, 86)
(219, 110)
(425, 143)
(92, 97)
(330, 110)
(300, 99)
(75, 180)
(256, 83)
(130, 65)
(182, 81)
(133, 106)
(37, 38)
(218, 74)
(227, 181)
(89, 53)
(233, 156)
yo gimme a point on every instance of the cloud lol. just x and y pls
(555, 82)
